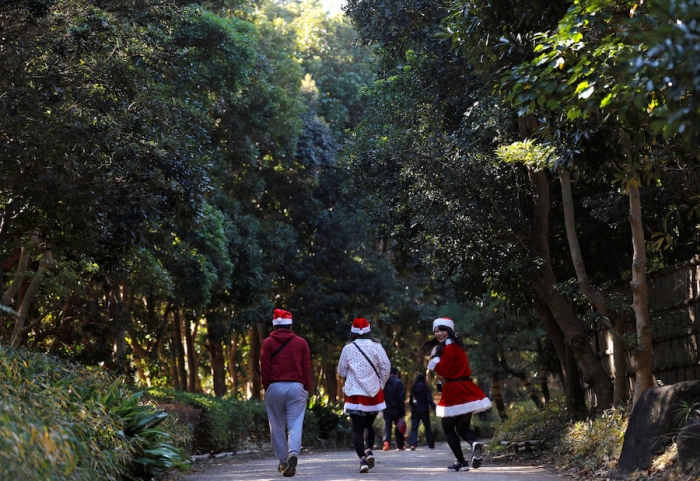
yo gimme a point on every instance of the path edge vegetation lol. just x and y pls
(98, 426)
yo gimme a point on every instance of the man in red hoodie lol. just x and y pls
(285, 366)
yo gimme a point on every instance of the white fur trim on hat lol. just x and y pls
(281, 317)
(360, 326)
(444, 321)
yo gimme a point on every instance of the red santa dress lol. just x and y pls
(459, 394)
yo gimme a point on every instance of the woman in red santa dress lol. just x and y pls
(461, 397)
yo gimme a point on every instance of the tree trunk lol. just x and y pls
(232, 368)
(595, 297)
(178, 351)
(26, 293)
(524, 380)
(497, 397)
(542, 372)
(555, 335)
(622, 385)
(643, 353)
(545, 285)
(330, 383)
(120, 316)
(254, 363)
(575, 394)
(192, 373)
(218, 368)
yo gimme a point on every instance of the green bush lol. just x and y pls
(52, 425)
(230, 424)
(525, 422)
(333, 425)
(152, 454)
(224, 424)
(596, 443)
(64, 422)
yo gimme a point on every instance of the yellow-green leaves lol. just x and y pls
(535, 156)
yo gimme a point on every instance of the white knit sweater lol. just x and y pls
(360, 378)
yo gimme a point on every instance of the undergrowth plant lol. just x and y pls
(59, 421)
(595, 444)
(526, 423)
(51, 423)
(152, 454)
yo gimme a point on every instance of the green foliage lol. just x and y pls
(685, 412)
(664, 64)
(528, 153)
(333, 424)
(225, 424)
(53, 425)
(596, 443)
(229, 424)
(587, 446)
(152, 454)
(525, 423)
(63, 422)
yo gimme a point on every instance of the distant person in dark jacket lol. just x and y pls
(394, 396)
(421, 402)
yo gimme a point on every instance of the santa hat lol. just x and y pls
(281, 318)
(360, 326)
(444, 321)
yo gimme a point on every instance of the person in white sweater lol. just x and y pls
(365, 366)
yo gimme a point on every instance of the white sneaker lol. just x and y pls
(477, 454)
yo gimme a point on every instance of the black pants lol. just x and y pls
(416, 419)
(362, 432)
(391, 417)
(458, 427)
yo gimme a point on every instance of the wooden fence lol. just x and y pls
(674, 304)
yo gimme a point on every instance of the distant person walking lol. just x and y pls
(285, 366)
(365, 366)
(460, 396)
(395, 412)
(421, 402)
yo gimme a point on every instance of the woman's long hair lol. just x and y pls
(428, 346)
(366, 335)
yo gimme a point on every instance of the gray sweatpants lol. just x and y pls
(285, 403)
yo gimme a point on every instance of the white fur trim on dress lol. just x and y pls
(457, 409)
(364, 408)
(433, 362)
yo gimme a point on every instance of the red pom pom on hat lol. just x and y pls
(360, 326)
(281, 317)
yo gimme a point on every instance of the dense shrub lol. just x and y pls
(231, 425)
(333, 425)
(64, 422)
(222, 424)
(525, 422)
(595, 443)
(52, 425)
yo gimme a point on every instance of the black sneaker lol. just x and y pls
(282, 466)
(291, 467)
(364, 466)
(477, 454)
(459, 466)
(370, 458)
